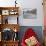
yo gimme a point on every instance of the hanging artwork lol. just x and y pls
(29, 13)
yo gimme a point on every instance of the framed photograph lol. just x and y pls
(5, 12)
(29, 13)
(13, 12)
(12, 20)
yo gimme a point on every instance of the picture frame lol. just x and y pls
(5, 12)
(29, 13)
(13, 12)
(12, 20)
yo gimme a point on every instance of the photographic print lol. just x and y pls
(29, 13)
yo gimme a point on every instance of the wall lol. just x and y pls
(32, 4)
(27, 4)
(28, 22)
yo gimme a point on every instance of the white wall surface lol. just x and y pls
(32, 4)
(27, 4)
(7, 3)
